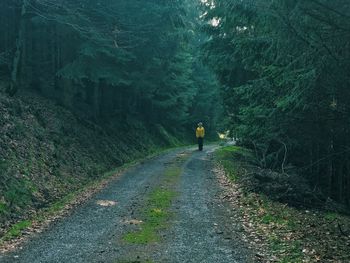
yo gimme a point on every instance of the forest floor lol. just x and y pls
(167, 209)
(278, 231)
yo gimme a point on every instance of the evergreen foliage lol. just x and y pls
(284, 67)
(117, 62)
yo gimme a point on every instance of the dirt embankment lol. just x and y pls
(46, 152)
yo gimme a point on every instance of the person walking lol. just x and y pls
(200, 133)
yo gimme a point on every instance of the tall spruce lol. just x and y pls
(116, 62)
(284, 66)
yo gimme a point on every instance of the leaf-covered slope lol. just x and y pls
(47, 152)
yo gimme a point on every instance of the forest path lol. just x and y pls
(168, 209)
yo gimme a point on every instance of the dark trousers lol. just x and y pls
(200, 144)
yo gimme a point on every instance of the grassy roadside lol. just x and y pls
(42, 218)
(278, 232)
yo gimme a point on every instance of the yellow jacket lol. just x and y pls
(200, 132)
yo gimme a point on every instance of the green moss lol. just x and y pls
(292, 225)
(267, 219)
(156, 216)
(3, 208)
(230, 169)
(232, 149)
(157, 212)
(228, 157)
(16, 230)
(59, 205)
(271, 218)
(146, 235)
(292, 250)
(161, 198)
(295, 254)
(275, 244)
(173, 171)
(331, 216)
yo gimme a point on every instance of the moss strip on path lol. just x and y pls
(156, 214)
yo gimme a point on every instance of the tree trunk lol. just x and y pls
(96, 100)
(339, 177)
(347, 186)
(19, 50)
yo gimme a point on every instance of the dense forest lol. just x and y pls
(113, 61)
(106, 78)
(284, 68)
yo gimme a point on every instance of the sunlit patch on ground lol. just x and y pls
(133, 222)
(179, 159)
(183, 154)
(106, 203)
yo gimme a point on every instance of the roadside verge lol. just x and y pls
(279, 232)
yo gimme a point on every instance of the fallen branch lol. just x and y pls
(341, 230)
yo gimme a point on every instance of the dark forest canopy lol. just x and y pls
(284, 68)
(114, 61)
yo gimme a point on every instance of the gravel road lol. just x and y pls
(202, 228)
